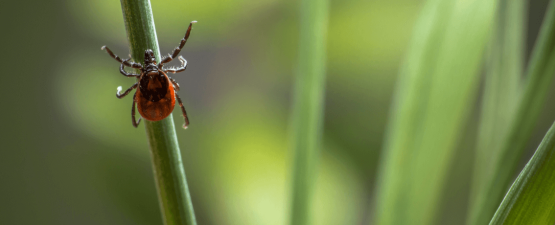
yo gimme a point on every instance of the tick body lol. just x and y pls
(155, 97)
(156, 91)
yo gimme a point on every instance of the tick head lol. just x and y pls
(149, 57)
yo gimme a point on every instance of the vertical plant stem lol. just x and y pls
(308, 106)
(173, 193)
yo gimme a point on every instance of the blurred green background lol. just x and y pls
(69, 154)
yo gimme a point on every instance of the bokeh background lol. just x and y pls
(69, 154)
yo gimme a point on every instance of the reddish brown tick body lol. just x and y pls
(156, 91)
(159, 103)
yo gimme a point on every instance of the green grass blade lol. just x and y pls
(502, 82)
(503, 165)
(501, 91)
(531, 198)
(173, 192)
(308, 106)
(435, 92)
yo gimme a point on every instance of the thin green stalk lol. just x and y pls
(531, 199)
(540, 73)
(173, 193)
(308, 106)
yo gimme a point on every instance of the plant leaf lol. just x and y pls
(504, 163)
(436, 90)
(531, 198)
(501, 93)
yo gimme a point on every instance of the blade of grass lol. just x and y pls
(502, 83)
(308, 106)
(503, 165)
(173, 192)
(502, 90)
(435, 93)
(531, 198)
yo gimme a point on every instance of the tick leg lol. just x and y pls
(135, 124)
(178, 69)
(126, 92)
(183, 110)
(124, 62)
(122, 71)
(175, 84)
(176, 51)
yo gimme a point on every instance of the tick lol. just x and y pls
(156, 92)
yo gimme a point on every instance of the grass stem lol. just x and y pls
(173, 192)
(308, 106)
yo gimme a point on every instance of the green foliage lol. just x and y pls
(435, 93)
(502, 165)
(502, 90)
(173, 192)
(240, 173)
(531, 199)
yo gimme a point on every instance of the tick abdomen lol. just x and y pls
(155, 98)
